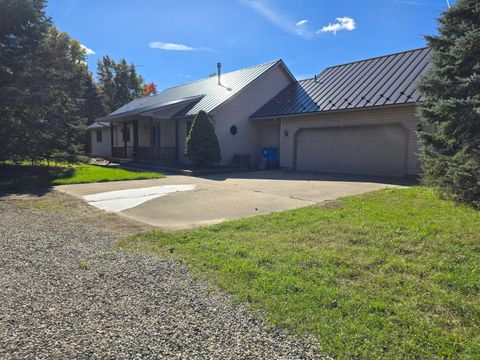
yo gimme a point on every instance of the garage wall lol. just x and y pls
(237, 112)
(405, 116)
(269, 133)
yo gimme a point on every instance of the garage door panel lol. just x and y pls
(369, 150)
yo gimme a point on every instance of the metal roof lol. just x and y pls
(205, 94)
(384, 80)
(98, 125)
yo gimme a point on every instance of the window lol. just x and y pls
(99, 135)
(189, 126)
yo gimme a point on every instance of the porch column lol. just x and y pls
(125, 129)
(135, 139)
(111, 139)
(176, 140)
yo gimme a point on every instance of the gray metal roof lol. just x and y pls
(384, 80)
(98, 125)
(205, 94)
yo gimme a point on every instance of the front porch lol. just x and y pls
(144, 139)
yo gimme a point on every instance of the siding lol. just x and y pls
(237, 112)
(404, 116)
(103, 148)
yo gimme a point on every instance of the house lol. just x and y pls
(356, 118)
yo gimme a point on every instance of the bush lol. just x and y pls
(201, 145)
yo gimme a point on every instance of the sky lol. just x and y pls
(178, 41)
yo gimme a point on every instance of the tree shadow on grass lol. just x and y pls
(33, 180)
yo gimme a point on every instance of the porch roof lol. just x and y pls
(150, 106)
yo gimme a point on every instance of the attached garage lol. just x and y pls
(355, 118)
(368, 150)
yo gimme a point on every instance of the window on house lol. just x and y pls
(189, 126)
(99, 135)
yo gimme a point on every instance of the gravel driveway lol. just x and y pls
(65, 292)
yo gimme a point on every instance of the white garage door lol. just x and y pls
(369, 150)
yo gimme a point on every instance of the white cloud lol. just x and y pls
(342, 23)
(87, 50)
(301, 22)
(277, 18)
(175, 47)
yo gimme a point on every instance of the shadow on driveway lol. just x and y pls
(310, 176)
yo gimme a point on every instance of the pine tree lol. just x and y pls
(119, 83)
(201, 145)
(23, 25)
(450, 114)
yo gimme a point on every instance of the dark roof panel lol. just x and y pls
(384, 80)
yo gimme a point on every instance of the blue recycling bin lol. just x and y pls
(271, 157)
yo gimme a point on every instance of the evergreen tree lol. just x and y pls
(119, 83)
(450, 114)
(56, 116)
(93, 107)
(23, 25)
(43, 76)
(201, 145)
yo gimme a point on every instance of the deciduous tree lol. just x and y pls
(150, 89)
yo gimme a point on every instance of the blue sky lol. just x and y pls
(178, 41)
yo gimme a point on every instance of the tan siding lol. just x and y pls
(182, 135)
(103, 148)
(269, 133)
(405, 116)
(237, 112)
(144, 132)
(167, 132)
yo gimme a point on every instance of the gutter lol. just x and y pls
(278, 116)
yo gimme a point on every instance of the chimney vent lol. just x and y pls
(219, 72)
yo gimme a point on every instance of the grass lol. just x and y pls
(389, 274)
(26, 177)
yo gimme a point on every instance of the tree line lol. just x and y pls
(48, 95)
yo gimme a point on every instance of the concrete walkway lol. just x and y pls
(214, 199)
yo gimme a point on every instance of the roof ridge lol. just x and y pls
(363, 60)
(207, 78)
(376, 57)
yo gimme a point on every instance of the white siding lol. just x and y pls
(103, 148)
(404, 116)
(237, 111)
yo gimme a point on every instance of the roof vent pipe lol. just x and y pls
(219, 72)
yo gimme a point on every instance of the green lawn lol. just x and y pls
(24, 177)
(402, 266)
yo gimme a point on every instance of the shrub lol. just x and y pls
(201, 145)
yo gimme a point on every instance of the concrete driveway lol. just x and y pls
(179, 202)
